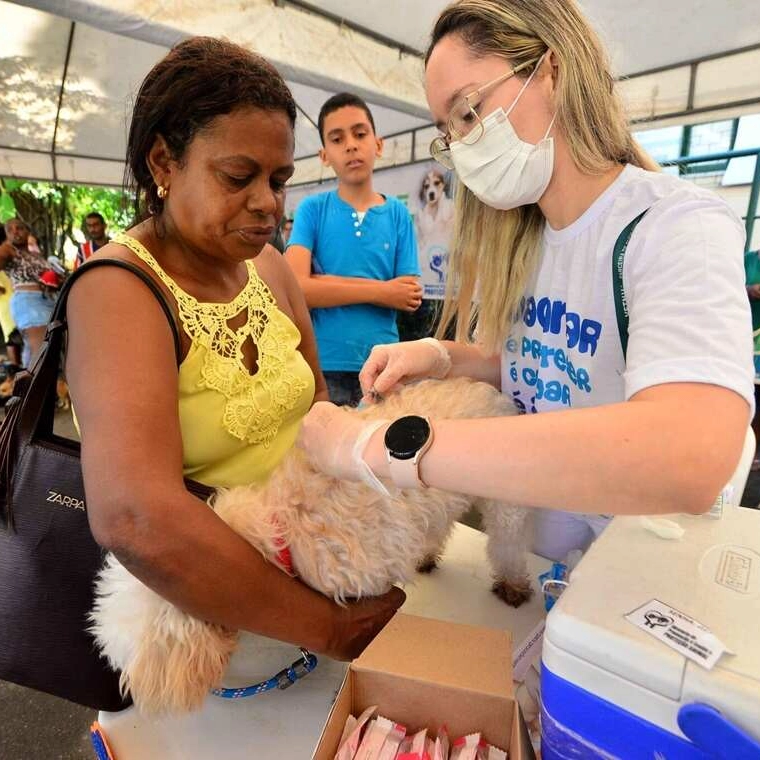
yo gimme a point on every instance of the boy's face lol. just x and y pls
(351, 145)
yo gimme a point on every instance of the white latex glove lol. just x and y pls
(335, 440)
(393, 363)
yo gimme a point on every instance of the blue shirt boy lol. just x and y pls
(378, 244)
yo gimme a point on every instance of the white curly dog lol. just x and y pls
(345, 540)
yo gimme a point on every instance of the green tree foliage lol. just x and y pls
(54, 211)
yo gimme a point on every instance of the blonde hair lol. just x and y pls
(494, 252)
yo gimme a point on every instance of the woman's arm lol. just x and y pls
(470, 360)
(671, 448)
(123, 381)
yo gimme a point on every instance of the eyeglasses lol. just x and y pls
(464, 123)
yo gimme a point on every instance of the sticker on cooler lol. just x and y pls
(679, 631)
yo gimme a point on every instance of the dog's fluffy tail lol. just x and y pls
(168, 659)
(177, 663)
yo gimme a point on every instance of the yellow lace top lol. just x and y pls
(236, 426)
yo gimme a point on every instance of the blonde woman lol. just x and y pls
(549, 178)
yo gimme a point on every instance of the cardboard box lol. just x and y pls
(423, 673)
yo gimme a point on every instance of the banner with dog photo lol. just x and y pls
(433, 221)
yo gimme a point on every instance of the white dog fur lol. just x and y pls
(346, 540)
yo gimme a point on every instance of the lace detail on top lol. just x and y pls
(255, 403)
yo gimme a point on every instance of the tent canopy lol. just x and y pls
(69, 68)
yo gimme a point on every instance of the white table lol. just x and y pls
(287, 724)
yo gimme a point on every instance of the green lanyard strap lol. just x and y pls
(621, 303)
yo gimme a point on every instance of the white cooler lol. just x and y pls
(612, 690)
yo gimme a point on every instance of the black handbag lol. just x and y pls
(48, 556)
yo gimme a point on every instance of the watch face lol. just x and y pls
(406, 436)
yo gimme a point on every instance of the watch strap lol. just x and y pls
(405, 473)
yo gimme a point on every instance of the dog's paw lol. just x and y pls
(513, 593)
(428, 563)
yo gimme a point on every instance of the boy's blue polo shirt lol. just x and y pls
(381, 247)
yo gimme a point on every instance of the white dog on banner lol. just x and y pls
(436, 210)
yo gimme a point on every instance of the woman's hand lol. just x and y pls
(334, 439)
(359, 622)
(394, 363)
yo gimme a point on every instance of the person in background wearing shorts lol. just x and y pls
(30, 306)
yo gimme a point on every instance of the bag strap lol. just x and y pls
(58, 318)
(38, 413)
(621, 302)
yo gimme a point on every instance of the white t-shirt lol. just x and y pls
(684, 283)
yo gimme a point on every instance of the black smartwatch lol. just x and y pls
(406, 441)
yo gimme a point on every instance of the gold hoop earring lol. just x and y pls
(162, 192)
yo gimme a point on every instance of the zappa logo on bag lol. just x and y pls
(65, 501)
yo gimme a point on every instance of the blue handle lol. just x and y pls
(713, 734)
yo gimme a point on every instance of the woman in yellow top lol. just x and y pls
(210, 147)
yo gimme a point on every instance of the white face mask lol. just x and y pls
(502, 170)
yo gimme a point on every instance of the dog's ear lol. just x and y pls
(421, 194)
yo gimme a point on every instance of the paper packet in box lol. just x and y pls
(392, 742)
(489, 752)
(351, 722)
(441, 748)
(378, 731)
(466, 747)
(413, 747)
(347, 748)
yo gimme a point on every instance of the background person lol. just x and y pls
(95, 229)
(30, 307)
(353, 251)
(549, 177)
(7, 324)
